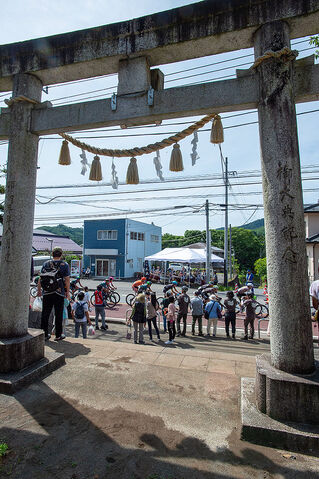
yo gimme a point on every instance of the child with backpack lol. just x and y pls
(80, 315)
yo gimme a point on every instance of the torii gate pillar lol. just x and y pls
(21, 350)
(287, 387)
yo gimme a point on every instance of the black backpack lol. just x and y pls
(79, 311)
(51, 278)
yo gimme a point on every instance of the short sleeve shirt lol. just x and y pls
(64, 272)
(85, 307)
(314, 289)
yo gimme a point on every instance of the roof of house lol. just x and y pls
(312, 208)
(313, 238)
(40, 243)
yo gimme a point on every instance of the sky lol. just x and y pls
(175, 206)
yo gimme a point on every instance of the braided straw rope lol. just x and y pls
(138, 151)
(284, 52)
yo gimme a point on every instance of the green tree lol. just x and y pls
(247, 246)
(193, 236)
(260, 267)
(171, 241)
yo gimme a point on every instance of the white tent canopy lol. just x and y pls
(183, 255)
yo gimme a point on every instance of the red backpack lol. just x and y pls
(98, 298)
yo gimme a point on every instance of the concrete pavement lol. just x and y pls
(120, 410)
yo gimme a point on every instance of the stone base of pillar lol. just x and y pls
(284, 396)
(22, 361)
(281, 410)
(259, 428)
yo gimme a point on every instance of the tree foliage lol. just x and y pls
(260, 268)
(315, 42)
(247, 245)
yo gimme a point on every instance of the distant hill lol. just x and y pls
(76, 234)
(257, 225)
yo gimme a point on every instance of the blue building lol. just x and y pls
(118, 247)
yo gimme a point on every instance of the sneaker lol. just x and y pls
(227, 335)
(135, 342)
(104, 328)
(142, 342)
(59, 338)
(208, 335)
(245, 337)
(200, 334)
(214, 335)
(168, 342)
(97, 327)
(178, 335)
(193, 333)
(251, 337)
(233, 336)
(47, 337)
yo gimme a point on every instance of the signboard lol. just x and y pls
(75, 267)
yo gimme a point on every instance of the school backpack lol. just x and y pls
(79, 311)
(51, 278)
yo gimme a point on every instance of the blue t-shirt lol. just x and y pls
(212, 308)
(64, 271)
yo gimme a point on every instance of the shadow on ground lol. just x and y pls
(62, 439)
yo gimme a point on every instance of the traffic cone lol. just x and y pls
(265, 289)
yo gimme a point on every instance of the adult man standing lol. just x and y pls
(197, 313)
(183, 304)
(54, 284)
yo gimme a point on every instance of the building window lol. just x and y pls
(137, 236)
(155, 239)
(107, 235)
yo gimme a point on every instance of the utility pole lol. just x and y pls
(226, 225)
(230, 255)
(208, 241)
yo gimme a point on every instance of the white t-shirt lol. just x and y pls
(314, 289)
(87, 297)
(85, 307)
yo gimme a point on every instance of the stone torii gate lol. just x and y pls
(287, 381)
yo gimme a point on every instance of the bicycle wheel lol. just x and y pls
(33, 291)
(258, 310)
(116, 297)
(110, 302)
(129, 299)
(92, 300)
(264, 310)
